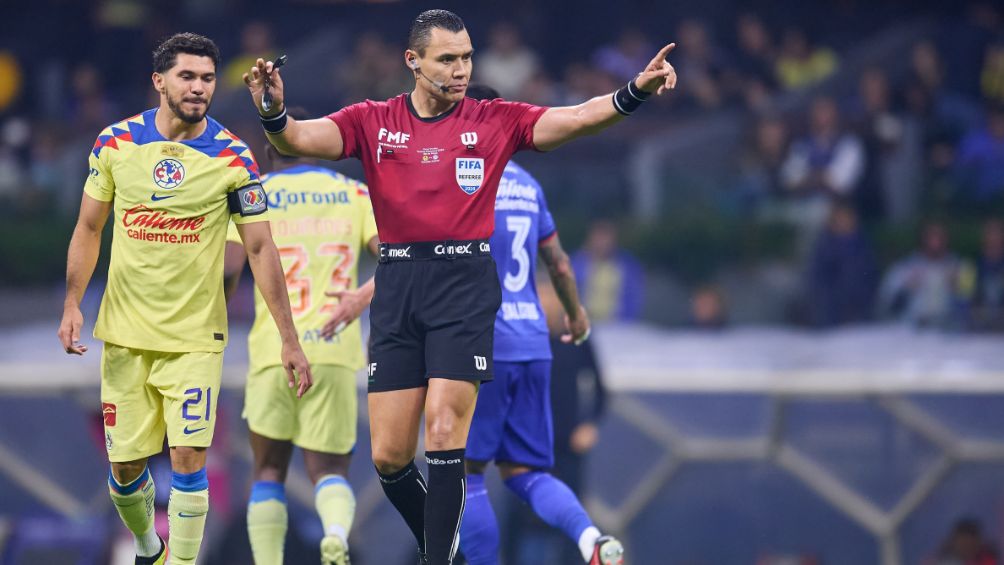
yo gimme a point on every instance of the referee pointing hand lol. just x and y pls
(433, 159)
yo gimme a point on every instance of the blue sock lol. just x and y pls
(553, 501)
(267, 490)
(479, 532)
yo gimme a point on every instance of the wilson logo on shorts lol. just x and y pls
(108, 410)
(480, 363)
(470, 173)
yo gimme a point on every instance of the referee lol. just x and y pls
(433, 159)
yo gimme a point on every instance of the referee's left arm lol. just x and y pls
(563, 124)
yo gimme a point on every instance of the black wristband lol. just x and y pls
(274, 124)
(627, 99)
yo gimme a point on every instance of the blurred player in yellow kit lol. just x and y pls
(173, 178)
(320, 221)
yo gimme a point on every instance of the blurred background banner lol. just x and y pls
(796, 263)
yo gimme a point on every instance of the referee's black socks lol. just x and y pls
(444, 505)
(406, 490)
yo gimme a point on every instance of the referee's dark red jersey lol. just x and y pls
(435, 178)
(433, 183)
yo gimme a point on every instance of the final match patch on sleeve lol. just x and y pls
(248, 200)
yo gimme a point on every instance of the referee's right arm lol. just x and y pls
(318, 138)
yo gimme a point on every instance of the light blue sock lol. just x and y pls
(553, 501)
(479, 532)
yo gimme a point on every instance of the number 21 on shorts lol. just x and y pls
(192, 412)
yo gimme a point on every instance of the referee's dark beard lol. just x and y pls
(187, 117)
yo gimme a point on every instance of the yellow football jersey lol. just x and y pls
(321, 220)
(172, 202)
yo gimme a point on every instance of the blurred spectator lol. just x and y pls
(707, 309)
(987, 306)
(45, 171)
(751, 78)
(801, 64)
(966, 546)
(13, 139)
(698, 64)
(582, 82)
(374, 71)
(755, 56)
(927, 70)
(541, 90)
(256, 41)
(621, 60)
(760, 167)
(924, 288)
(992, 74)
(826, 163)
(90, 108)
(611, 281)
(829, 160)
(10, 80)
(892, 145)
(926, 66)
(507, 63)
(980, 160)
(843, 272)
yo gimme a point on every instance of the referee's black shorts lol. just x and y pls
(433, 314)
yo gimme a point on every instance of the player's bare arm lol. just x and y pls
(318, 138)
(559, 269)
(234, 258)
(351, 303)
(80, 261)
(267, 269)
(563, 124)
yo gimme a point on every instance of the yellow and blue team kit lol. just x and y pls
(163, 315)
(321, 221)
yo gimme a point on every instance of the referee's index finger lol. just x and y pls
(665, 51)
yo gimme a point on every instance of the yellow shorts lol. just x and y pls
(147, 393)
(323, 420)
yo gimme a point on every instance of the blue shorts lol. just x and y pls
(512, 420)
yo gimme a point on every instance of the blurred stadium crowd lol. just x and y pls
(863, 187)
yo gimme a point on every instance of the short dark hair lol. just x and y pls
(421, 28)
(166, 54)
(482, 92)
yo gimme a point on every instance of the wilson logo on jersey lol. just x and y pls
(469, 138)
(470, 174)
(168, 174)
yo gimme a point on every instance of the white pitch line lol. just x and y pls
(40, 486)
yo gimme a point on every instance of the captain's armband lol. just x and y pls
(248, 200)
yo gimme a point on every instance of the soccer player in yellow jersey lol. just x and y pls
(320, 221)
(172, 178)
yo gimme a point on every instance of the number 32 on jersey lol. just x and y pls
(299, 274)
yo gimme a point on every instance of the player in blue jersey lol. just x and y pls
(512, 420)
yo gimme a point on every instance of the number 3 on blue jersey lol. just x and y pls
(520, 226)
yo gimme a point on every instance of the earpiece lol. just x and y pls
(413, 64)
